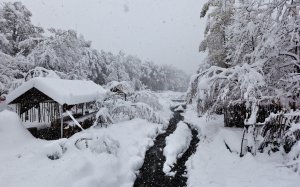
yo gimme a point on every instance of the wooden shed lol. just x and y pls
(54, 101)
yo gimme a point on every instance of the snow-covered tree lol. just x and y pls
(41, 72)
(17, 33)
(116, 68)
(133, 68)
(259, 54)
(12, 71)
(67, 52)
(215, 38)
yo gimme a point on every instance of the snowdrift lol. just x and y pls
(176, 144)
(12, 132)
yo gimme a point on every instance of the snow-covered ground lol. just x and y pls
(214, 165)
(96, 157)
(176, 144)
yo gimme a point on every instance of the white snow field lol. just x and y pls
(176, 144)
(214, 166)
(103, 157)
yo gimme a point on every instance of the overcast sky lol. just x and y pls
(164, 31)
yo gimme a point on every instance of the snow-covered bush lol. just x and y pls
(103, 118)
(148, 97)
(215, 87)
(144, 111)
(127, 111)
(142, 104)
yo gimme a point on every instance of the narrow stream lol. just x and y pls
(151, 173)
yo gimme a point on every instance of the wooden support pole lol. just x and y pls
(61, 121)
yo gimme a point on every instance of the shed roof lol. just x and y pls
(63, 91)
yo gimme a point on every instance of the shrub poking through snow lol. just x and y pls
(54, 156)
(103, 144)
(176, 144)
(281, 130)
(292, 136)
(54, 150)
(82, 143)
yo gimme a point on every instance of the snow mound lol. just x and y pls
(12, 132)
(176, 144)
(179, 109)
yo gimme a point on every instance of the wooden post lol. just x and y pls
(61, 121)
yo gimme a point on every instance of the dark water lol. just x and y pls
(151, 173)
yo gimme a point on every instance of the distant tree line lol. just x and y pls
(24, 46)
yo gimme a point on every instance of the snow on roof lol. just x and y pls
(60, 90)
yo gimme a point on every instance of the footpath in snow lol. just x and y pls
(164, 163)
